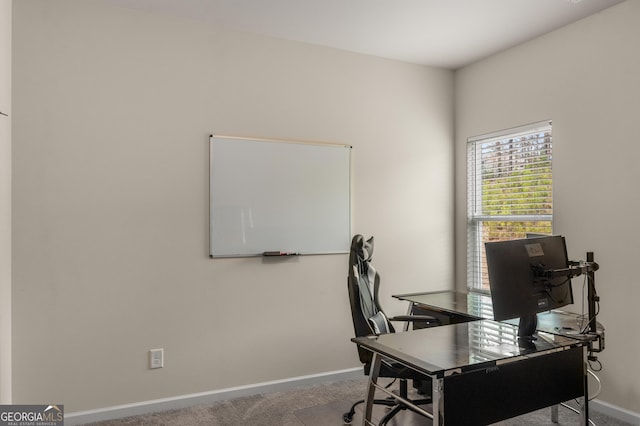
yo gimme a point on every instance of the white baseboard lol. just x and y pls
(183, 401)
(616, 412)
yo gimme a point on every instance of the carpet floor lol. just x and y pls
(318, 405)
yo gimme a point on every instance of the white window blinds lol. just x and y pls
(509, 187)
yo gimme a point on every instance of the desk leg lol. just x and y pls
(584, 420)
(437, 401)
(409, 312)
(554, 413)
(371, 389)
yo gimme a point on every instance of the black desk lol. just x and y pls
(479, 370)
(452, 307)
(480, 373)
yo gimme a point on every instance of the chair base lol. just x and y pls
(348, 416)
(395, 406)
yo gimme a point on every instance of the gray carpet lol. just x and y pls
(319, 405)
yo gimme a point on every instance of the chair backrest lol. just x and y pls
(363, 283)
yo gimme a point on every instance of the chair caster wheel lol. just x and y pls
(347, 418)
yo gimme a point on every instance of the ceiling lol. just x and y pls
(441, 33)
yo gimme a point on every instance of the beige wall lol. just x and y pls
(112, 112)
(5, 202)
(585, 78)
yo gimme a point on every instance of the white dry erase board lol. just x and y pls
(278, 196)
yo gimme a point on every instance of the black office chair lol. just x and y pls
(368, 318)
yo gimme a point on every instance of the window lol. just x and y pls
(509, 187)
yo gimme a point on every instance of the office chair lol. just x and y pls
(368, 318)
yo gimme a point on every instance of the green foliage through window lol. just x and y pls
(510, 191)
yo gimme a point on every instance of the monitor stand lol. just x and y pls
(527, 327)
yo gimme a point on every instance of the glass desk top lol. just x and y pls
(479, 306)
(476, 305)
(462, 346)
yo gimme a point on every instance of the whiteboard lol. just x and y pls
(283, 196)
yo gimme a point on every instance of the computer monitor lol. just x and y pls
(523, 282)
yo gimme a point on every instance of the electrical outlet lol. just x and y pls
(156, 358)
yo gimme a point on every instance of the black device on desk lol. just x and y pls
(524, 279)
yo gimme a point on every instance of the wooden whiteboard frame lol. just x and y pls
(278, 196)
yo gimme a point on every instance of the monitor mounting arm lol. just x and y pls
(575, 269)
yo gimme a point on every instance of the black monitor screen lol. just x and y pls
(519, 285)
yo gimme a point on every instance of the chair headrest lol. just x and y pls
(361, 248)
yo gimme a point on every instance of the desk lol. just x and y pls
(452, 307)
(480, 372)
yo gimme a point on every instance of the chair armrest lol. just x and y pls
(415, 318)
